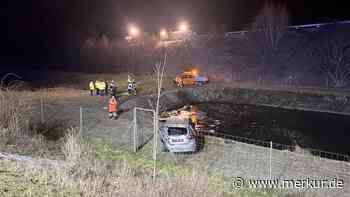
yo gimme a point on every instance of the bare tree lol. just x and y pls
(272, 23)
(268, 29)
(159, 70)
(334, 56)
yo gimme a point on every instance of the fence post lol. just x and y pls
(270, 160)
(141, 137)
(237, 160)
(130, 135)
(42, 110)
(135, 128)
(81, 120)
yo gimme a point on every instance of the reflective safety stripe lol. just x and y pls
(100, 85)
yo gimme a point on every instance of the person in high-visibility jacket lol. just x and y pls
(100, 87)
(97, 86)
(112, 88)
(130, 79)
(92, 88)
(113, 107)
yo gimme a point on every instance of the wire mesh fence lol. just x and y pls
(235, 156)
(52, 120)
(55, 115)
(283, 147)
(231, 155)
(264, 160)
(143, 127)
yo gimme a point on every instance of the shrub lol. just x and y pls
(14, 115)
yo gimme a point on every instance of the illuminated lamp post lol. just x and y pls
(134, 32)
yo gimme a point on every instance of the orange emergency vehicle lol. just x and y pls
(190, 77)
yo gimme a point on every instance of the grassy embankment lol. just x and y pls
(91, 167)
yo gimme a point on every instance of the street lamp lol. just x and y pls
(163, 34)
(183, 27)
(134, 31)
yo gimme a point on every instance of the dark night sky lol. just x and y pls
(34, 30)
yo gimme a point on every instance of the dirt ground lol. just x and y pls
(61, 110)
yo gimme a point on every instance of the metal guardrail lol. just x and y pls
(313, 25)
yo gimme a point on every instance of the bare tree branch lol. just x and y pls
(272, 23)
(334, 56)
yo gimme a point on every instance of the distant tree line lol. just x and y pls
(269, 53)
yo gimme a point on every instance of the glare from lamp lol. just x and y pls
(134, 31)
(183, 27)
(163, 33)
(194, 72)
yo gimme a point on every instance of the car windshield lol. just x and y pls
(177, 131)
(187, 76)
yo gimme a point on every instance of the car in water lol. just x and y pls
(178, 134)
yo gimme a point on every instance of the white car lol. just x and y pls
(177, 134)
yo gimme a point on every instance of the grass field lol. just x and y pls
(95, 168)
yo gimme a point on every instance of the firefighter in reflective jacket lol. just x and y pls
(113, 107)
(100, 87)
(92, 88)
(130, 79)
(131, 85)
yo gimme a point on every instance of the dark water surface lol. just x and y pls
(322, 131)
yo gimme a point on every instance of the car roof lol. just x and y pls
(175, 125)
(176, 121)
(186, 73)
